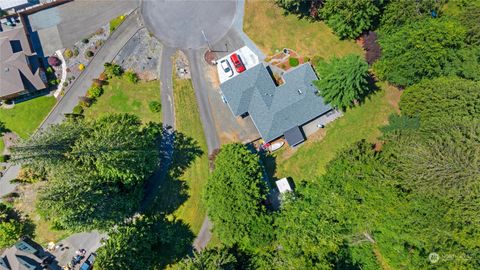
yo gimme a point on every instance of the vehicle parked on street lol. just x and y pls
(237, 62)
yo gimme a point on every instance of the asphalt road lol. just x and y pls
(179, 23)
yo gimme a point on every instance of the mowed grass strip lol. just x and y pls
(268, 26)
(361, 122)
(187, 121)
(26, 116)
(122, 96)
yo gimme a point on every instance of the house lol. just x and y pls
(26, 255)
(20, 69)
(276, 111)
(16, 4)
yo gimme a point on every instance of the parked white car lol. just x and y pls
(226, 67)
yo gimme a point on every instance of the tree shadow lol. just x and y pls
(179, 154)
(179, 238)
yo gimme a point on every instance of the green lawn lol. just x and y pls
(122, 96)
(116, 22)
(26, 116)
(361, 122)
(187, 121)
(266, 24)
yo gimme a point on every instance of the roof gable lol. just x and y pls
(274, 110)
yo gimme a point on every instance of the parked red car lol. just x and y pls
(237, 63)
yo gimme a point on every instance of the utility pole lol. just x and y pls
(206, 40)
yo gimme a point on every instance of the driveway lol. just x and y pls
(61, 26)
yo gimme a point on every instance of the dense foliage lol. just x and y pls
(343, 80)
(424, 49)
(350, 18)
(141, 243)
(95, 168)
(214, 259)
(11, 228)
(234, 194)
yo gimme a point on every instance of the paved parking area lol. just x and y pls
(61, 26)
(89, 241)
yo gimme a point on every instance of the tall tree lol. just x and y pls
(143, 243)
(418, 50)
(350, 18)
(234, 194)
(11, 228)
(343, 80)
(95, 168)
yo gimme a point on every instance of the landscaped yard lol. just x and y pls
(361, 122)
(266, 24)
(187, 121)
(26, 116)
(122, 96)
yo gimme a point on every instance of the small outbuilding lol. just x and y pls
(283, 185)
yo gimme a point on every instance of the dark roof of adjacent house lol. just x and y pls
(275, 110)
(19, 68)
(24, 255)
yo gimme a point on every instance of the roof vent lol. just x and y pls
(299, 91)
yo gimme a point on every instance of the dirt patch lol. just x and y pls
(212, 77)
(182, 67)
(393, 95)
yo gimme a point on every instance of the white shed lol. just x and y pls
(283, 185)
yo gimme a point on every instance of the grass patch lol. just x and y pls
(187, 121)
(266, 24)
(122, 96)
(115, 23)
(361, 122)
(26, 116)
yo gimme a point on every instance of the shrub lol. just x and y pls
(293, 61)
(98, 43)
(81, 67)
(85, 40)
(371, 46)
(98, 82)
(54, 61)
(85, 101)
(68, 53)
(155, 106)
(65, 84)
(75, 52)
(4, 158)
(78, 109)
(113, 70)
(94, 92)
(53, 82)
(88, 54)
(49, 71)
(131, 76)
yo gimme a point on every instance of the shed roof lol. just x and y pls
(294, 136)
(275, 110)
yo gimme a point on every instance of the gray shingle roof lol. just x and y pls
(274, 110)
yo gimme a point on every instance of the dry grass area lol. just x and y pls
(267, 25)
(362, 122)
(44, 233)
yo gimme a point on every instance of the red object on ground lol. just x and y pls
(237, 62)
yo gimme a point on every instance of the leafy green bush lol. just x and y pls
(4, 158)
(155, 106)
(94, 92)
(88, 54)
(78, 109)
(85, 40)
(131, 76)
(75, 52)
(293, 61)
(112, 70)
(68, 53)
(65, 84)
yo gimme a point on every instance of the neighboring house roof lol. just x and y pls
(275, 110)
(8, 4)
(19, 67)
(24, 255)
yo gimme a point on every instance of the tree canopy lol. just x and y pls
(422, 49)
(343, 80)
(95, 168)
(11, 228)
(350, 18)
(145, 242)
(234, 194)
